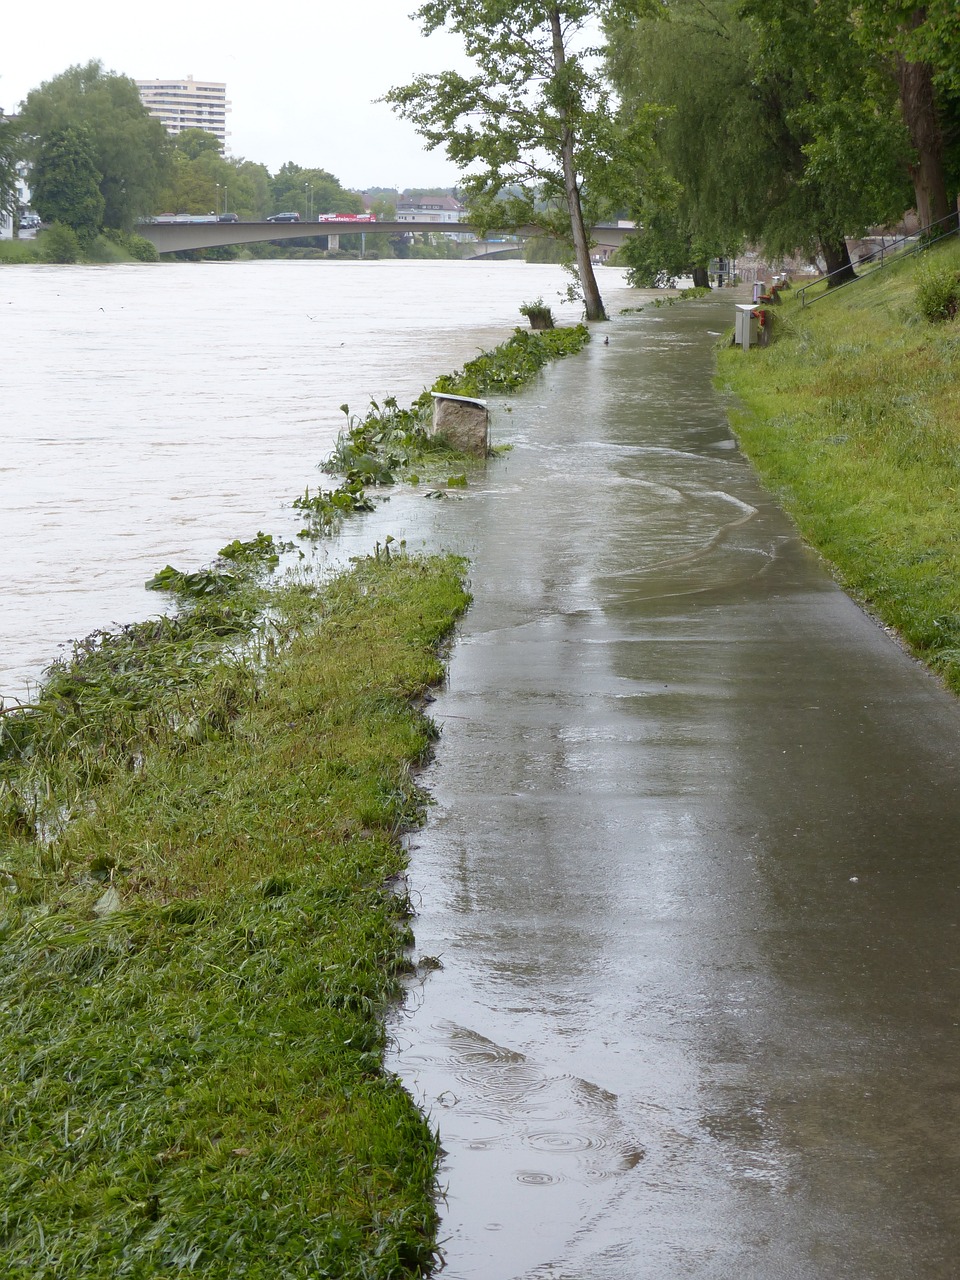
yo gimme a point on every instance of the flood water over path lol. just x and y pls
(692, 871)
(152, 413)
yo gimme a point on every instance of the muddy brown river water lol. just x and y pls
(692, 872)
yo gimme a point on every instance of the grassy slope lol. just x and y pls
(852, 417)
(193, 1082)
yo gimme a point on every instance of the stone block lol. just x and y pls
(464, 423)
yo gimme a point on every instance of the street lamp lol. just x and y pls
(308, 200)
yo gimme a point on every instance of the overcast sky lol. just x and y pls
(301, 77)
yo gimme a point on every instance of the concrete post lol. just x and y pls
(463, 422)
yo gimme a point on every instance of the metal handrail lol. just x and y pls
(922, 240)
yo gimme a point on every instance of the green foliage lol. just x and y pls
(9, 154)
(59, 243)
(326, 508)
(202, 181)
(132, 245)
(507, 367)
(18, 252)
(192, 143)
(538, 313)
(938, 289)
(259, 554)
(311, 192)
(774, 128)
(546, 249)
(66, 183)
(130, 149)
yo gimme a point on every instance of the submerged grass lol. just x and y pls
(389, 443)
(198, 943)
(853, 419)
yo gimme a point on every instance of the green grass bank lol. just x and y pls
(202, 930)
(852, 418)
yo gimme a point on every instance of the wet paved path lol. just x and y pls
(692, 871)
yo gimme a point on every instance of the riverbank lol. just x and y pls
(205, 920)
(852, 418)
(199, 949)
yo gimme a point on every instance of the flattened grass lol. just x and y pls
(852, 417)
(195, 966)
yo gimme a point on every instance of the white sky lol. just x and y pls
(301, 77)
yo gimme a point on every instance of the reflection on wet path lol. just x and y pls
(692, 870)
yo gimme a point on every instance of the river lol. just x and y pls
(151, 414)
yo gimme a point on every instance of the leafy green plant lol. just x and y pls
(507, 367)
(59, 243)
(938, 290)
(538, 313)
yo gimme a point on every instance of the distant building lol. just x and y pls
(439, 209)
(187, 104)
(429, 209)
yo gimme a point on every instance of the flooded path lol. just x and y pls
(692, 873)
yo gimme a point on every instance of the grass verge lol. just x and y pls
(200, 938)
(852, 418)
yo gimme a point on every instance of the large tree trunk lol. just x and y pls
(837, 257)
(919, 107)
(592, 302)
(701, 278)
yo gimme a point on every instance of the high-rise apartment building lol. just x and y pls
(187, 104)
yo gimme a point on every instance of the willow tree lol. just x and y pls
(777, 126)
(533, 130)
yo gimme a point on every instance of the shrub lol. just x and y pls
(938, 291)
(59, 243)
(538, 313)
(19, 251)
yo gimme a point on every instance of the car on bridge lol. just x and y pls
(284, 217)
(229, 217)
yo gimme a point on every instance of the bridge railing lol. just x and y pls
(902, 247)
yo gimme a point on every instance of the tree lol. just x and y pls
(130, 148)
(311, 192)
(774, 126)
(921, 46)
(9, 155)
(534, 130)
(195, 142)
(212, 182)
(66, 183)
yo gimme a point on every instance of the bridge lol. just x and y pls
(173, 237)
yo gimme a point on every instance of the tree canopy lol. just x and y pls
(66, 182)
(774, 126)
(311, 192)
(130, 148)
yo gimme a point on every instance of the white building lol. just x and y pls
(439, 209)
(429, 209)
(187, 104)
